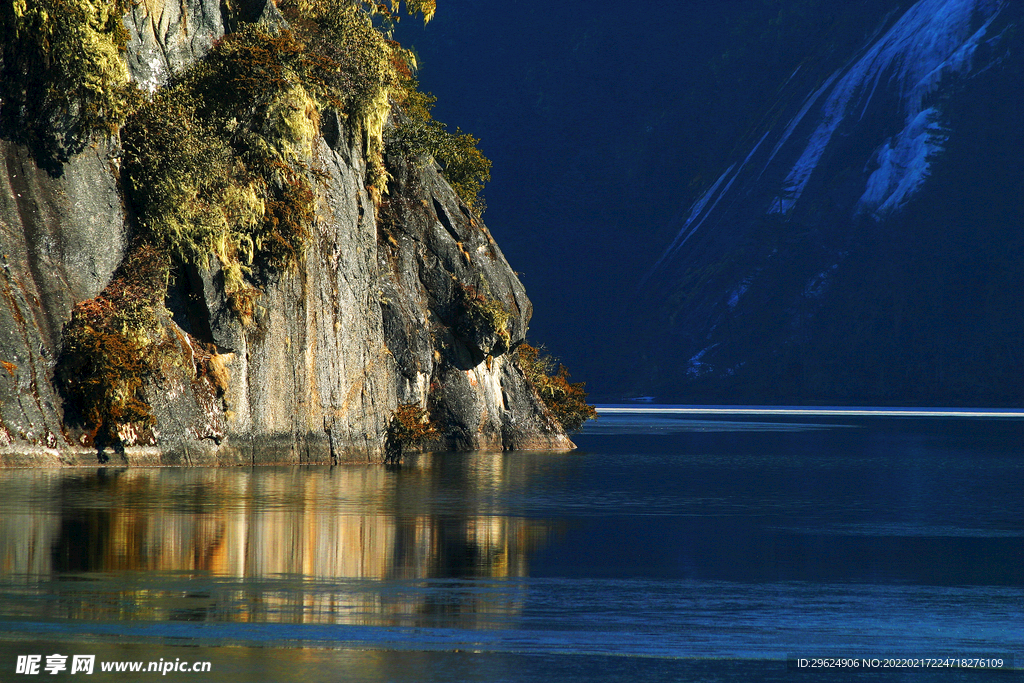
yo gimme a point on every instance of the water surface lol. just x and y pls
(672, 546)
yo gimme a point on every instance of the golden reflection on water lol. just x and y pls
(342, 545)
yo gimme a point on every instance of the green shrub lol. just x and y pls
(567, 402)
(180, 171)
(464, 166)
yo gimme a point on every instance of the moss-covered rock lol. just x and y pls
(221, 161)
(275, 305)
(118, 346)
(63, 75)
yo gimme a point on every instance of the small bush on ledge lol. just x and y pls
(417, 133)
(483, 312)
(410, 426)
(567, 402)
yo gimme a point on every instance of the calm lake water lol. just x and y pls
(669, 547)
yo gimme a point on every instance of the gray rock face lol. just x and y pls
(169, 35)
(451, 359)
(411, 304)
(60, 240)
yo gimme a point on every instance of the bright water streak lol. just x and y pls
(793, 411)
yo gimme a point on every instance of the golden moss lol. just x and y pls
(372, 71)
(390, 11)
(180, 172)
(293, 121)
(424, 7)
(64, 76)
(222, 161)
(219, 162)
(367, 76)
(483, 311)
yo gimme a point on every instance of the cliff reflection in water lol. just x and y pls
(345, 545)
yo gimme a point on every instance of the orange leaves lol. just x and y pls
(566, 401)
(107, 346)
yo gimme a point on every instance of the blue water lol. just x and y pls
(696, 545)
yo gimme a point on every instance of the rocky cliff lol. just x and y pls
(278, 305)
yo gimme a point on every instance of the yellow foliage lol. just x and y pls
(319, 8)
(482, 310)
(567, 402)
(293, 119)
(219, 162)
(63, 76)
(465, 167)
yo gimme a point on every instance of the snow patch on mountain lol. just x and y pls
(933, 40)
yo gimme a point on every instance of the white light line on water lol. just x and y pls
(823, 412)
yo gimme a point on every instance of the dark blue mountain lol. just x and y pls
(755, 200)
(866, 245)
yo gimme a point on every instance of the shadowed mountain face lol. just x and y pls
(864, 245)
(754, 200)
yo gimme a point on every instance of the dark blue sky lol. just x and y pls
(588, 113)
(605, 121)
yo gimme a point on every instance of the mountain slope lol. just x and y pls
(851, 253)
